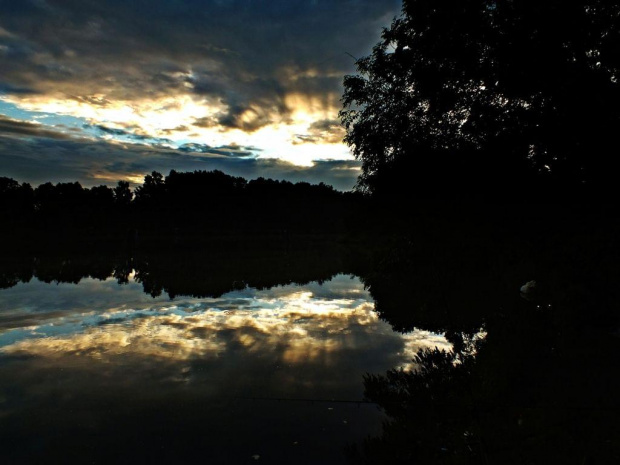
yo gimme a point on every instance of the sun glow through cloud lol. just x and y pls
(212, 77)
(175, 121)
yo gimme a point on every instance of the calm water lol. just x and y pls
(246, 354)
(101, 372)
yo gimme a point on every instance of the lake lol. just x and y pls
(312, 351)
(99, 371)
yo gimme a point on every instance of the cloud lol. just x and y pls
(122, 134)
(4, 34)
(106, 130)
(10, 127)
(197, 364)
(146, 76)
(242, 55)
(292, 324)
(50, 156)
(6, 88)
(223, 150)
(205, 122)
(326, 131)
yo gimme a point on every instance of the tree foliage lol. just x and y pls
(495, 93)
(165, 206)
(122, 193)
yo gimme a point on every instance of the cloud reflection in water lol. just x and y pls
(191, 376)
(302, 323)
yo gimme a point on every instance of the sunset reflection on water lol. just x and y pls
(125, 364)
(301, 324)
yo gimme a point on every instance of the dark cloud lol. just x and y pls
(106, 130)
(322, 131)
(43, 158)
(325, 125)
(245, 54)
(18, 128)
(205, 122)
(305, 139)
(6, 88)
(223, 150)
(196, 148)
(122, 133)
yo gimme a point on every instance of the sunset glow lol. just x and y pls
(182, 97)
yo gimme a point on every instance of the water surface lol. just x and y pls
(100, 371)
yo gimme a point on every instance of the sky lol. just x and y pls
(108, 90)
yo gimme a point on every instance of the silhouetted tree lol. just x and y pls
(101, 197)
(15, 199)
(152, 191)
(494, 95)
(61, 199)
(210, 192)
(122, 194)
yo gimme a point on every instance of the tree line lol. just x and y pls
(207, 200)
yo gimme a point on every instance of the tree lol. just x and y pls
(500, 94)
(122, 194)
(100, 198)
(152, 191)
(64, 198)
(15, 199)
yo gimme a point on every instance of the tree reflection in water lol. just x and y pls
(536, 387)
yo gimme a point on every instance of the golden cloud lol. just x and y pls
(297, 328)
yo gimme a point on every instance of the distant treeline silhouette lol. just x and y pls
(179, 202)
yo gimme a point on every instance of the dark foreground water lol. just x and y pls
(100, 372)
(414, 352)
